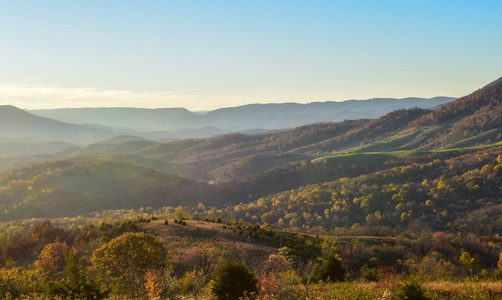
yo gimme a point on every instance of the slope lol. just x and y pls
(435, 194)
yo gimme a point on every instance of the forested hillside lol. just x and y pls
(438, 195)
(235, 168)
(69, 188)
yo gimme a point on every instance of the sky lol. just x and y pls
(204, 55)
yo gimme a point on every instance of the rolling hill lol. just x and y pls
(69, 188)
(231, 156)
(227, 170)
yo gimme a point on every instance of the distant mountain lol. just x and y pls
(241, 118)
(139, 119)
(183, 133)
(16, 148)
(121, 139)
(20, 125)
(288, 115)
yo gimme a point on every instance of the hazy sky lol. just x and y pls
(208, 54)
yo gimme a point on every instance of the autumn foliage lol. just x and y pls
(126, 259)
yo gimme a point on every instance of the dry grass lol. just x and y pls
(189, 245)
(434, 290)
(466, 290)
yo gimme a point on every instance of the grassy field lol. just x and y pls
(381, 157)
(371, 157)
(411, 142)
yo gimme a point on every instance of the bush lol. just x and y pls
(411, 290)
(498, 274)
(233, 280)
(371, 275)
(331, 269)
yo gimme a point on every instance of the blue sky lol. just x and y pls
(208, 54)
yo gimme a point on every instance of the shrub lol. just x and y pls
(161, 284)
(411, 290)
(280, 285)
(331, 269)
(431, 268)
(498, 274)
(276, 264)
(371, 275)
(233, 280)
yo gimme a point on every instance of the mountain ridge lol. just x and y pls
(19, 124)
(268, 116)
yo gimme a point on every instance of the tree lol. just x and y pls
(46, 232)
(181, 214)
(76, 285)
(233, 280)
(125, 260)
(468, 262)
(54, 257)
(499, 262)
